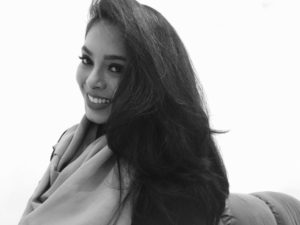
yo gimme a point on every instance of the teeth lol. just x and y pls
(98, 100)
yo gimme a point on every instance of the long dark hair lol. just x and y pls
(159, 124)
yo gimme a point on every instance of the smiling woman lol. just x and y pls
(99, 74)
(144, 147)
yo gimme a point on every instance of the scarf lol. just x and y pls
(81, 184)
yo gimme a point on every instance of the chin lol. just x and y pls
(97, 116)
(96, 120)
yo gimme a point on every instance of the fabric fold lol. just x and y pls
(82, 189)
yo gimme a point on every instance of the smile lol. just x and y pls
(97, 100)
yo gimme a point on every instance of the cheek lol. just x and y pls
(115, 84)
(80, 78)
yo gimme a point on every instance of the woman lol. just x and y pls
(143, 153)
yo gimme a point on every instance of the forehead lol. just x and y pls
(105, 38)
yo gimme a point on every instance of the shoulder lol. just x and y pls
(69, 131)
(66, 133)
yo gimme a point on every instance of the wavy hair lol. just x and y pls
(159, 123)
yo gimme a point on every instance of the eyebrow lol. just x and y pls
(106, 57)
(85, 49)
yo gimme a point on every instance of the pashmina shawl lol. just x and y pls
(81, 185)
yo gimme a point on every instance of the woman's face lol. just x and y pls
(102, 66)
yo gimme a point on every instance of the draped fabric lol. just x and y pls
(81, 185)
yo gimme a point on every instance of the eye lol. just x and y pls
(116, 68)
(86, 60)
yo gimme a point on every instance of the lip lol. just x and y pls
(96, 96)
(94, 105)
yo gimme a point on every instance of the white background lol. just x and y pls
(246, 53)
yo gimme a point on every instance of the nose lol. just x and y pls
(96, 80)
